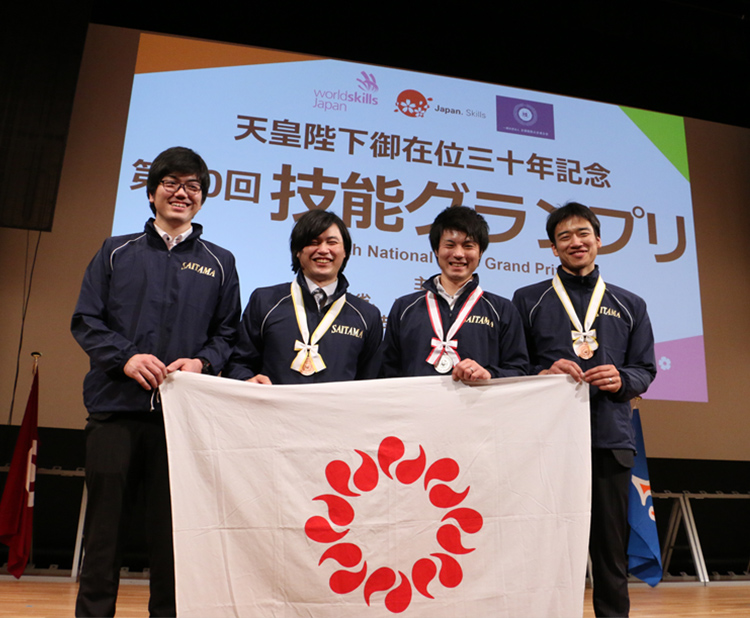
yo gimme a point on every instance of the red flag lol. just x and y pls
(17, 504)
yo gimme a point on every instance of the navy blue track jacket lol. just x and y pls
(139, 297)
(623, 331)
(492, 334)
(268, 331)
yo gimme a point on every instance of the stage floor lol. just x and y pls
(49, 599)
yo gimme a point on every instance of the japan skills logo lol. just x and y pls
(524, 117)
(339, 100)
(412, 103)
(454, 111)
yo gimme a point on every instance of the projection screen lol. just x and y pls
(387, 149)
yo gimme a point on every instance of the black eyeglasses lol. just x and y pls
(172, 186)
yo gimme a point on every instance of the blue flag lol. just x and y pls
(644, 555)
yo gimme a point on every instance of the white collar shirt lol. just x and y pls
(176, 240)
(451, 300)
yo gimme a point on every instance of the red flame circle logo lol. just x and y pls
(458, 520)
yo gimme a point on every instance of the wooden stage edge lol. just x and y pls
(54, 597)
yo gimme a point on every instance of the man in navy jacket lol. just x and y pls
(453, 326)
(151, 303)
(311, 329)
(600, 334)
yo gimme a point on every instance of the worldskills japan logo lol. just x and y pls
(443, 508)
(339, 99)
(524, 117)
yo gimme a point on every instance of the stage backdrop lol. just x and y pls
(388, 149)
(419, 496)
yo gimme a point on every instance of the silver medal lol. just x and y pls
(445, 364)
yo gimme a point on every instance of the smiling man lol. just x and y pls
(310, 330)
(599, 334)
(453, 326)
(151, 303)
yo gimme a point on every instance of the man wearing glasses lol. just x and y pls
(151, 303)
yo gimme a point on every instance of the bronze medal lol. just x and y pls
(585, 351)
(307, 367)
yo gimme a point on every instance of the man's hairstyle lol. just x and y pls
(177, 160)
(461, 219)
(571, 209)
(311, 225)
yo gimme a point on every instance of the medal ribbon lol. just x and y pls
(308, 348)
(447, 345)
(581, 334)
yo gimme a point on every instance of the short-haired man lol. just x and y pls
(151, 303)
(310, 330)
(452, 325)
(600, 334)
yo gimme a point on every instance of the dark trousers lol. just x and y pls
(608, 540)
(125, 453)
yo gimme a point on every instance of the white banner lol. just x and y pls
(416, 496)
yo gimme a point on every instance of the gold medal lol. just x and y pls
(585, 351)
(307, 368)
(308, 360)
